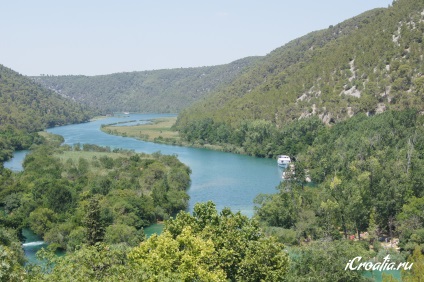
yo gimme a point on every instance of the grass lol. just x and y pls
(51, 138)
(98, 118)
(160, 129)
(74, 156)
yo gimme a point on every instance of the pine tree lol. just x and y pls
(372, 227)
(93, 222)
(416, 274)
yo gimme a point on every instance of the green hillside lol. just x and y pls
(370, 63)
(168, 90)
(25, 108)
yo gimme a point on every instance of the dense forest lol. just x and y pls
(205, 246)
(83, 195)
(346, 103)
(157, 91)
(368, 174)
(25, 108)
(62, 187)
(368, 64)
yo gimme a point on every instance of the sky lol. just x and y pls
(93, 37)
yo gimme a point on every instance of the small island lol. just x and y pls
(158, 130)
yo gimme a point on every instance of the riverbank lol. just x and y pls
(33, 243)
(157, 130)
(98, 118)
(161, 131)
(118, 183)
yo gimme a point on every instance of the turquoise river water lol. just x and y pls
(229, 180)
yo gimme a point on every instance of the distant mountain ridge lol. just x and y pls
(370, 63)
(164, 91)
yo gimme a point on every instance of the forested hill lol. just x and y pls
(168, 90)
(26, 107)
(370, 63)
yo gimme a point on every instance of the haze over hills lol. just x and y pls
(370, 63)
(165, 91)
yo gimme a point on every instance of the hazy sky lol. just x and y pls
(99, 37)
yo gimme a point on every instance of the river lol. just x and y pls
(229, 180)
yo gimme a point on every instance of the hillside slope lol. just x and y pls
(168, 90)
(370, 63)
(25, 107)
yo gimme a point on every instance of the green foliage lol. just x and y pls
(375, 161)
(264, 261)
(187, 257)
(411, 225)
(417, 271)
(11, 253)
(259, 138)
(89, 263)
(242, 252)
(326, 261)
(93, 222)
(291, 214)
(41, 220)
(121, 233)
(204, 247)
(73, 197)
(10, 241)
(164, 91)
(367, 170)
(367, 64)
(25, 107)
(10, 268)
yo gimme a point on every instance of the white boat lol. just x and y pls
(283, 160)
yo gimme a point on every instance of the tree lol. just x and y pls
(410, 224)
(264, 261)
(326, 261)
(59, 197)
(416, 273)
(240, 247)
(10, 268)
(187, 257)
(121, 233)
(372, 228)
(93, 222)
(89, 263)
(329, 213)
(41, 220)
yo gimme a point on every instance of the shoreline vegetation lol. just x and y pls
(157, 130)
(132, 191)
(162, 131)
(98, 118)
